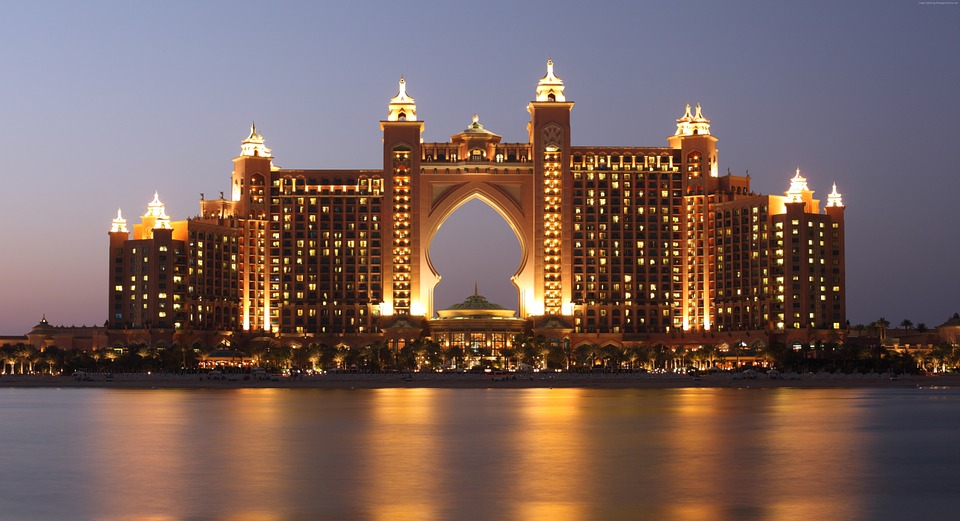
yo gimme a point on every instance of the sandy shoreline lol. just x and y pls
(483, 381)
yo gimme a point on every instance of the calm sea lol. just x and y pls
(471, 454)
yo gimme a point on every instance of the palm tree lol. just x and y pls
(280, 356)
(906, 324)
(612, 356)
(680, 355)
(939, 356)
(453, 355)
(149, 355)
(921, 357)
(378, 354)
(7, 357)
(582, 355)
(659, 355)
(27, 354)
(567, 351)
(921, 328)
(52, 357)
(634, 355)
(549, 351)
(881, 326)
(341, 353)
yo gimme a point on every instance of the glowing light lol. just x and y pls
(266, 314)
(550, 87)
(402, 106)
(533, 306)
(120, 224)
(417, 309)
(386, 309)
(833, 198)
(156, 217)
(690, 125)
(798, 185)
(253, 146)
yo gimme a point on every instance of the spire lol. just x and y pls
(155, 208)
(693, 124)
(476, 290)
(158, 212)
(402, 107)
(253, 146)
(798, 185)
(834, 198)
(119, 224)
(476, 127)
(550, 87)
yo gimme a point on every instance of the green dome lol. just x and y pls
(476, 306)
(476, 302)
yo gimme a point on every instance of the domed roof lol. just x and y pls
(43, 325)
(476, 302)
(476, 306)
(476, 128)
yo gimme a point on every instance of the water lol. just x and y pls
(474, 454)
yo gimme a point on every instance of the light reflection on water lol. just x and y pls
(438, 454)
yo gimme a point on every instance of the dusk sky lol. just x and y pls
(103, 103)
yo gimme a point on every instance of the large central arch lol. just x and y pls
(510, 195)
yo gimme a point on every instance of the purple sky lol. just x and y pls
(102, 103)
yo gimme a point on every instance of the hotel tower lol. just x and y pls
(618, 244)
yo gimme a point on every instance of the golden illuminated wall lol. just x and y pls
(253, 290)
(744, 271)
(552, 234)
(620, 240)
(627, 237)
(401, 251)
(323, 252)
(212, 296)
(808, 268)
(696, 290)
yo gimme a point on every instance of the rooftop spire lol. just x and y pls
(158, 213)
(119, 224)
(798, 185)
(834, 198)
(693, 124)
(254, 146)
(402, 107)
(550, 87)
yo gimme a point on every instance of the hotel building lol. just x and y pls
(618, 244)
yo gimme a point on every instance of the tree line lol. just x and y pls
(526, 353)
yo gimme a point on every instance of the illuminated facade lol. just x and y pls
(624, 244)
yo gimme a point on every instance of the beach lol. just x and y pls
(484, 380)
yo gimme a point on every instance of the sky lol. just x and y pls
(103, 103)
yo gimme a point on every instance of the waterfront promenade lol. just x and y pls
(482, 380)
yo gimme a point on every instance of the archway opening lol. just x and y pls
(475, 245)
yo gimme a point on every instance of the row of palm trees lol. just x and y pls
(880, 327)
(526, 352)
